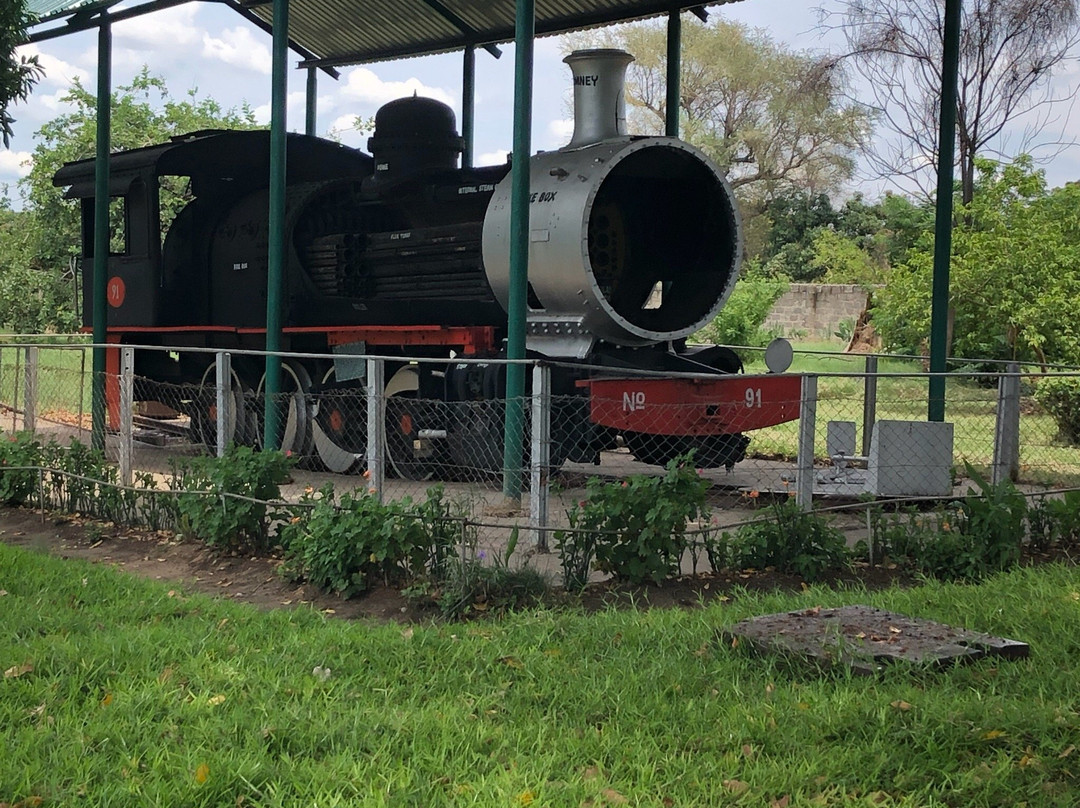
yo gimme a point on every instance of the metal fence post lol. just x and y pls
(376, 426)
(540, 455)
(30, 393)
(869, 413)
(1007, 427)
(82, 388)
(804, 483)
(127, 411)
(224, 402)
(15, 391)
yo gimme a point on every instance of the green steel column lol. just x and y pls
(674, 73)
(276, 231)
(101, 231)
(468, 104)
(939, 306)
(524, 30)
(312, 100)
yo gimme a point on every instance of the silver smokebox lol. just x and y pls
(599, 95)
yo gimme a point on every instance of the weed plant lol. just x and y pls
(224, 500)
(966, 539)
(790, 540)
(346, 544)
(476, 584)
(635, 529)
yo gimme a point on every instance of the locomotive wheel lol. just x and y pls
(339, 425)
(293, 409)
(204, 418)
(407, 456)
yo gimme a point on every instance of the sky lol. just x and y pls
(209, 48)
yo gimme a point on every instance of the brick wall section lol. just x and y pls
(816, 309)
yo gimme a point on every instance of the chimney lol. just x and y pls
(599, 98)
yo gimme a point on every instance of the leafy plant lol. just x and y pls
(19, 454)
(967, 539)
(472, 586)
(348, 543)
(1053, 520)
(1060, 397)
(791, 540)
(224, 498)
(741, 320)
(994, 519)
(634, 529)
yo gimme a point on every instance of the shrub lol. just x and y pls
(346, 545)
(1060, 397)
(967, 539)
(634, 529)
(791, 540)
(19, 485)
(224, 498)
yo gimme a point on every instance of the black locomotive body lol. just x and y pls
(634, 244)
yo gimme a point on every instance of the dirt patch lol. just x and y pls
(193, 565)
(255, 580)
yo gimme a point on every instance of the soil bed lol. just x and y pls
(256, 580)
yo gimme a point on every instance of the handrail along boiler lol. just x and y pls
(634, 244)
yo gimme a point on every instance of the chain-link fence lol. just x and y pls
(399, 425)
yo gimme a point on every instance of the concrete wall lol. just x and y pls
(816, 309)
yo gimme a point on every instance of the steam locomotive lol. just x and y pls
(634, 245)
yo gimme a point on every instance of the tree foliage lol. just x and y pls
(774, 119)
(1008, 51)
(1015, 275)
(810, 240)
(41, 243)
(18, 74)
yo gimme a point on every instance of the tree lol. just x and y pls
(1008, 51)
(774, 119)
(1015, 273)
(18, 74)
(39, 245)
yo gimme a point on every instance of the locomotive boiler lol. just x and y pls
(634, 244)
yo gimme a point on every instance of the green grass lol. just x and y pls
(63, 378)
(969, 406)
(142, 695)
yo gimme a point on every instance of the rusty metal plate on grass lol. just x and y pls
(866, 638)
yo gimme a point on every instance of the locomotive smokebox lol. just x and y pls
(632, 240)
(599, 97)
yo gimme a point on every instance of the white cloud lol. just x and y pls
(560, 131)
(492, 158)
(294, 111)
(58, 73)
(171, 29)
(52, 102)
(238, 47)
(361, 84)
(14, 164)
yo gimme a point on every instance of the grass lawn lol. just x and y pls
(970, 407)
(121, 691)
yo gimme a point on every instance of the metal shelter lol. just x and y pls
(327, 33)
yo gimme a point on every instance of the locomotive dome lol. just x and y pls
(414, 134)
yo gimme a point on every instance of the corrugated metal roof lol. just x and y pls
(353, 31)
(47, 9)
